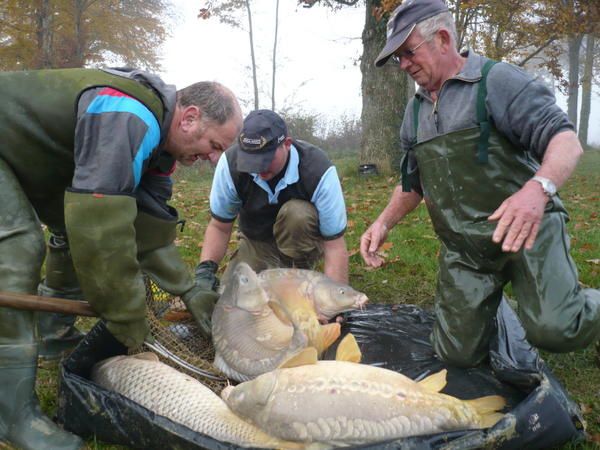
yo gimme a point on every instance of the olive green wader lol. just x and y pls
(465, 176)
(57, 331)
(297, 241)
(22, 423)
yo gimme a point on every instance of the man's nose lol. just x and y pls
(405, 63)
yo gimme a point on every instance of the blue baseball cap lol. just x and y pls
(403, 21)
(263, 131)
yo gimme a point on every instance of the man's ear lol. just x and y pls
(191, 114)
(287, 142)
(445, 39)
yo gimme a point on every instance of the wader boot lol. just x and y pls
(22, 423)
(58, 334)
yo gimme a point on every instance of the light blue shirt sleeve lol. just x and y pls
(329, 202)
(225, 202)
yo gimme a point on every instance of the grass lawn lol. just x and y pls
(410, 271)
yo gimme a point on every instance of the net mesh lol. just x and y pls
(178, 342)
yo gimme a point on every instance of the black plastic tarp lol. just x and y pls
(539, 412)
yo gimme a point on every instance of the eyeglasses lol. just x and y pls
(408, 53)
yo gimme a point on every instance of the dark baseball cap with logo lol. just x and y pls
(403, 21)
(263, 131)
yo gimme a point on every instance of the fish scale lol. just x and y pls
(344, 403)
(180, 398)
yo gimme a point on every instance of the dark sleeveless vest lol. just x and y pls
(257, 216)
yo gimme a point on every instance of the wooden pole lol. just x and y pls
(48, 304)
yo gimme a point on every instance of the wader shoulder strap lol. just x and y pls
(406, 185)
(482, 115)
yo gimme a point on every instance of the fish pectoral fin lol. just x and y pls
(147, 356)
(348, 350)
(305, 357)
(435, 382)
(280, 312)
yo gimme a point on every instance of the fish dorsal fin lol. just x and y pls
(435, 382)
(330, 333)
(348, 350)
(280, 312)
(305, 357)
(147, 356)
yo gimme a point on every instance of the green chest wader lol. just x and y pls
(465, 177)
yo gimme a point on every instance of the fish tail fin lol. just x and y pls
(491, 419)
(348, 350)
(435, 382)
(488, 408)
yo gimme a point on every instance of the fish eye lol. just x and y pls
(341, 291)
(244, 279)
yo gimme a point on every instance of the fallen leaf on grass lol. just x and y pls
(386, 246)
(593, 261)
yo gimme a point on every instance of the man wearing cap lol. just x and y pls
(288, 198)
(486, 147)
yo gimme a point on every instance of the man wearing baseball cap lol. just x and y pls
(486, 147)
(288, 198)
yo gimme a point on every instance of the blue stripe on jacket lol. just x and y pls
(109, 103)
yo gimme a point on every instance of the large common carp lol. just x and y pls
(344, 403)
(249, 338)
(329, 298)
(180, 398)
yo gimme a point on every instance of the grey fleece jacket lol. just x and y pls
(520, 107)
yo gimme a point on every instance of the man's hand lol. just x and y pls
(132, 334)
(206, 275)
(201, 302)
(370, 241)
(519, 218)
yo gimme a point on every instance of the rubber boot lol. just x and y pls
(58, 335)
(22, 423)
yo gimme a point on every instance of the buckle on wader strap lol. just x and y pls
(482, 115)
(406, 168)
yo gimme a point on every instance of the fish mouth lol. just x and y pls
(361, 302)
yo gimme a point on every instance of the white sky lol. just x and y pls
(317, 64)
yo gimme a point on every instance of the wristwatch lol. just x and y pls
(547, 185)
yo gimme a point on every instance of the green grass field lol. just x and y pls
(410, 272)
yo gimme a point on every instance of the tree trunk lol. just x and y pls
(586, 89)
(274, 55)
(384, 98)
(78, 58)
(44, 35)
(251, 35)
(574, 45)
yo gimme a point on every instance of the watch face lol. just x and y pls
(547, 185)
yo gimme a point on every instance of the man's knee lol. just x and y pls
(556, 337)
(296, 230)
(297, 213)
